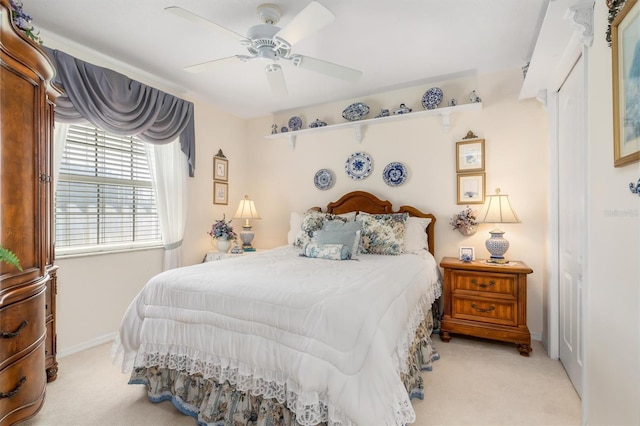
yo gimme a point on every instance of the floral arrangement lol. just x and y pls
(222, 229)
(23, 21)
(464, 219)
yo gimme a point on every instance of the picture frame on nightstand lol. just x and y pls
(467, 254)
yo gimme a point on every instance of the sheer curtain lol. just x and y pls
(59, 142)
(169, 168)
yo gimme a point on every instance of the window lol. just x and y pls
(104, 195)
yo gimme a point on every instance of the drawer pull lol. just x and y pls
(11, 334)
(491, 308)
(15, 391)
(482, 285)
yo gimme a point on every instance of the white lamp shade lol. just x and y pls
(247, 209)
(497, 209)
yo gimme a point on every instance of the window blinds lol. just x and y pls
(104, 194)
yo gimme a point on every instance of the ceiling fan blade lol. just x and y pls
(327, 68)
(209, 65)
(199, 20)
(276, 79)
(308, 21)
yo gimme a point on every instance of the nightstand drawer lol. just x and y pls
(498, 284)
(485, 310)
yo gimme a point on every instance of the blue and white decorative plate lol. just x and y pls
(394, 174)
(358, 166)
(356, 111)
(323, 179)
(432, 98)
(295, 123)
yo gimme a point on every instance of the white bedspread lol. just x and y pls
(328, 337)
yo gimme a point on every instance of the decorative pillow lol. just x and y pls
(415, 238)
(295, 223)
(326, 251)
(382, 233)
(312, 222)
(338, 232)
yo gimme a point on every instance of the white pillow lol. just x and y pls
(295, 223)
(415, 237)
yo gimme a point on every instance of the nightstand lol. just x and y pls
(486, 300)
(219, 255)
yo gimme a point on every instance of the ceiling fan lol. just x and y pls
(272, 44)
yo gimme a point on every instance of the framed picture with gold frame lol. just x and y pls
(471, 188)
(220, 169)
(470, 156)
(625, 48)
(220, 192)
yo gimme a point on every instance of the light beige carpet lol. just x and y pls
(475, 382)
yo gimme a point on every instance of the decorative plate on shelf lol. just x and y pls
(432, 98)
(323, 179)
(356, 111)
(295, 123)
(358, 166)
(394, 174)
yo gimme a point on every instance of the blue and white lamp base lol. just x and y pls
(497, 246)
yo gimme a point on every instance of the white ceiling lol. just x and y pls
(394, 43)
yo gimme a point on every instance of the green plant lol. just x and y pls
(7, 256)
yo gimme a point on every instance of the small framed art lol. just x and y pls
(467, 254)
(471, 188)
(220, 169)
(220, 192)
(625, 47)
(470, 156)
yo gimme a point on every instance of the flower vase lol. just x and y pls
(467, 231)
(223, 245)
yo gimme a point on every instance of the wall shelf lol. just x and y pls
(360, 126)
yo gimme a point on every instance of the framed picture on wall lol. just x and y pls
(220, 169)
(471, 188)
(470, 156)
(625, 48)
(220, 192)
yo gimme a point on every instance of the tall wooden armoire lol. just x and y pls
(27, 297)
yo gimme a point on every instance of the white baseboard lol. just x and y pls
(87, 345)
(536, 336)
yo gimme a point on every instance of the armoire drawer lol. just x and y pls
(22, 386)
(21, 324)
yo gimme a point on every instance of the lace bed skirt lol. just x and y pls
(221, 404)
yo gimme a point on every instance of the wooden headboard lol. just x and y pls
(360, 201)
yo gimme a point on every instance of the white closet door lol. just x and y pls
(572, 220)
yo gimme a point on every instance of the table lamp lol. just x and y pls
(497, 209)
(247, 210)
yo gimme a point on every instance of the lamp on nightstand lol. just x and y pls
(497, 209)
(247, 210)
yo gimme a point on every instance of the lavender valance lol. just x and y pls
(121, 106)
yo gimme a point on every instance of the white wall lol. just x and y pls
(613, 315)
(516, 161)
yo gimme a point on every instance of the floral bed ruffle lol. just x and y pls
(222, 404)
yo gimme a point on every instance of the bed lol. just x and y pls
(279, 338)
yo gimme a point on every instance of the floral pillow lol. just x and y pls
(313, 222)
(327, 251)
(382, 233)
